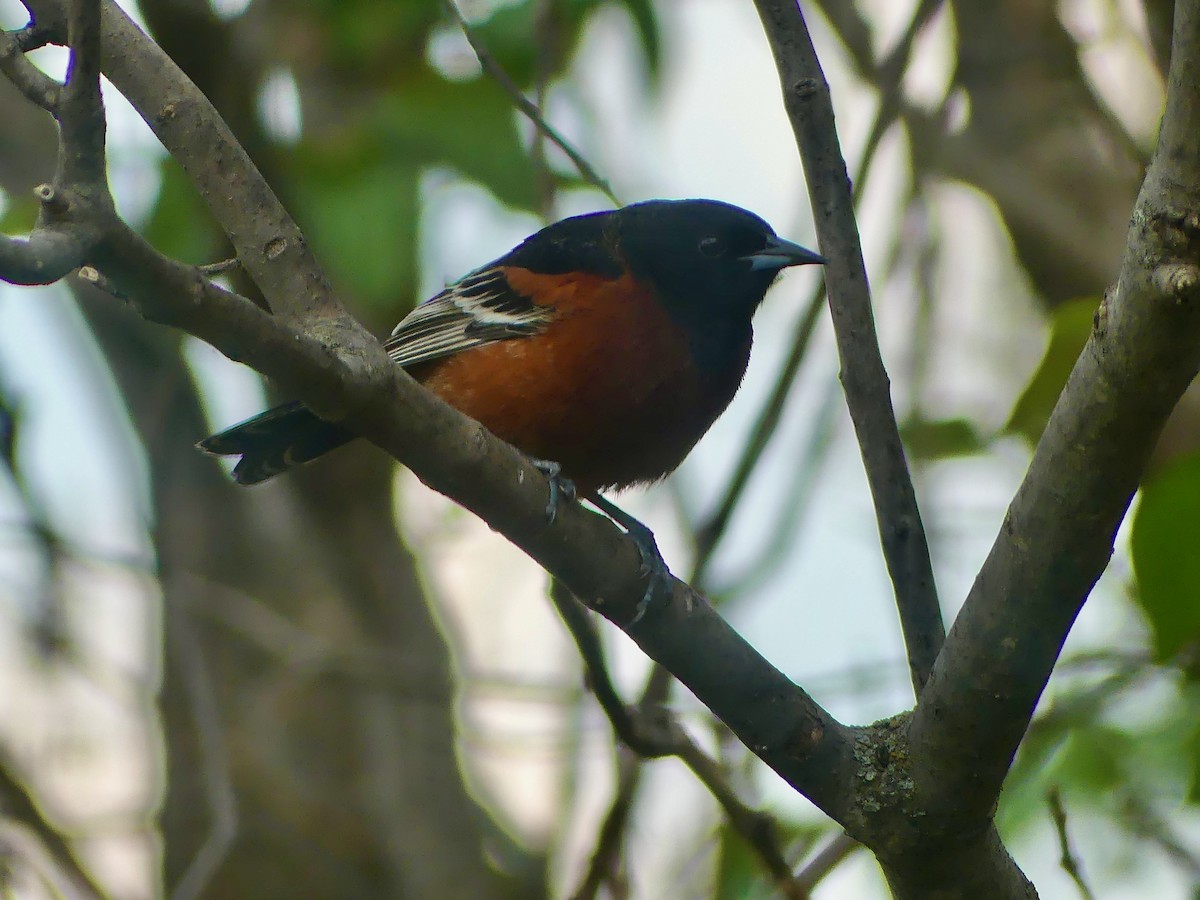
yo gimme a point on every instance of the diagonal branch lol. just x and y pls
(892, 71)
(1058, 534)
(43, 258)
(604, 866)
(868, 396)
(35, 85)
(267, 240)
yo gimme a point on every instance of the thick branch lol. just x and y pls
(81, 157)
(1058, 534)
(43, 258)
(314, 351)
(267, 240)
(37, 87)
(868, 397)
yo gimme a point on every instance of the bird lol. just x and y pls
(603, 347)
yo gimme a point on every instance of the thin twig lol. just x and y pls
(101, 282)
(868, 395)
(214, 756)
(757, 828)
(713, 529)
(35, 85)
(796, 503)
(220, 268)
(547, 30)
(709, 534)
(825, 860)
(1066, 858)
(651, 731)
(1145, 822)
(527, 106)
(604, 865)
(630, 727)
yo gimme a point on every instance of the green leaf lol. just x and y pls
(941, 439)
(469, 127)
(364, 36)
(363, 225)
(741, 873)
(646, 23)
(1166, 556)
(1094, 760)
(511, 35)
(738, 872)
(20, 215)
(1069, 330)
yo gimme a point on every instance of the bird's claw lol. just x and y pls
(653, 568)
(560, 488)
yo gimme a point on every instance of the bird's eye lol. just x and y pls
(711, 246)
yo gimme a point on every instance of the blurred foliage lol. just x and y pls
(1166, 556)
(378, 111)
(177, 224)
(930, 440)
(1085, 746)
(19, 214)
(740, 874)
(1070, 325)
(507, 31)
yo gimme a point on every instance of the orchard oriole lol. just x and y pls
(607, 343)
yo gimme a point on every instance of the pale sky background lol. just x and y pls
(717, 130)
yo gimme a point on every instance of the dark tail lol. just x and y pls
(275, 441)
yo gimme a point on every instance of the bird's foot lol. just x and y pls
(561, 488)
(654, 568)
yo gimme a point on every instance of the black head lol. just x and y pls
(710, 263)
(705, 253)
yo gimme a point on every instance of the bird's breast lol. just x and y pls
(610, 389)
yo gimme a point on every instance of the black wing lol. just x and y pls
(479, 309)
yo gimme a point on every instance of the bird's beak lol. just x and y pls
(779, 254)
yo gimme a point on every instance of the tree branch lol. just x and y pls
(35, 85)
(605, 862)
(825, 860)
(46, 256)
(214, 756)
(1058, 534)
(810, 109)
(1066, 857)
(313, 350)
